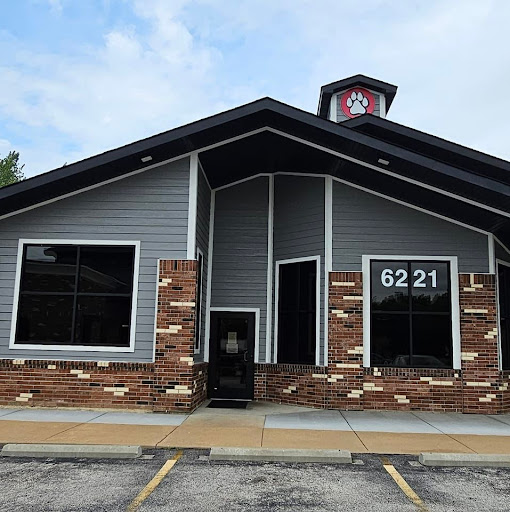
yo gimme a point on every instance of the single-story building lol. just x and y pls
(336, 260)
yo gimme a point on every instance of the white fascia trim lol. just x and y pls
(368, 191)
(243, 180)
(333, 108)
(209, 277)
(389, 173)
(204, 174)
(199, 322)
(75, 348)
(134, 173)
(502, 244)
(412, 206)
(192, 207)
(454, 285)
(257, 325)
(318, 304)
(491, 253)
(270, 264)
(328, 252)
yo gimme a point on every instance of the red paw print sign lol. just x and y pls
(357, 101)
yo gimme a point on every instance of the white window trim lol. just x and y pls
(318, 304)
(200, 316)
(454, 280)
(74, 348)
(257, 325)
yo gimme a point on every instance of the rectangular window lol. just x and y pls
(411, 314)
(75, 295)
(297, 312)
(198, 305)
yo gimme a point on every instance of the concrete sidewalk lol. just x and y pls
(264, 425)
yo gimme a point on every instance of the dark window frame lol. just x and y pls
(407, 264)
(75, 294)
(317, 307)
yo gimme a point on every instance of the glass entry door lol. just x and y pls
(231, 351)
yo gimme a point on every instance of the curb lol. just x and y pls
(465, 459)
(280, 455)
(68, 451)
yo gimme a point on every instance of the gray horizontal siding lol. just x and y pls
(239, 273)
(299, 226)
(367, 224)
(151, 207)
(203, 215)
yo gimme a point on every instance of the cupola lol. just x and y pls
(355, 96)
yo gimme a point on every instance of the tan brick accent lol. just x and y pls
(345, 344)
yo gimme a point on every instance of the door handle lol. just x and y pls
(246, 357)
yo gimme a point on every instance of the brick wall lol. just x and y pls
(172, 383)
(345, 346)
(291, 384)
(76, 384)
(479, 343)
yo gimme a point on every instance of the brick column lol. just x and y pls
(479, 344)
(345, 345)
(174, 384)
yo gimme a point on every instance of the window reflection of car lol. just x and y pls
(420, 361)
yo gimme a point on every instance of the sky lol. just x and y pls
(80, 77)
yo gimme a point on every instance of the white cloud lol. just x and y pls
(182, 60)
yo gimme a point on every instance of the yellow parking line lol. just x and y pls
(149, 488)
(406, 488)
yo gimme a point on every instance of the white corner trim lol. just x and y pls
(382, 104)
(199, 306)
(270, 265)
(491, 254)
(257, 325)
(333, 108)
(75, 348)
(317, 259)
(454, 289)
(192, 207)
(209, 277)
(328, 252)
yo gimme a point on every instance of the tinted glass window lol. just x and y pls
(411, 314)
(49, 268)
(75, 295)
(106, 269)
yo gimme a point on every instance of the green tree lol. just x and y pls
(10, 169)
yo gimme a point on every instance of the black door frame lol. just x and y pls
(253, 316)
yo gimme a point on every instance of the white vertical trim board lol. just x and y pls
(317, 259)
(156, 311)
(192, 206)
(257, 325)
(382, 105)
(201, 315)
(209, 277)
(270, 265)
(454, 290)
(491, 253)
(328, 253)
(81, 348)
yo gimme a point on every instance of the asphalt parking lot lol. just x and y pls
(195, 484)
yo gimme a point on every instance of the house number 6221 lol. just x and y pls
(399, 278)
